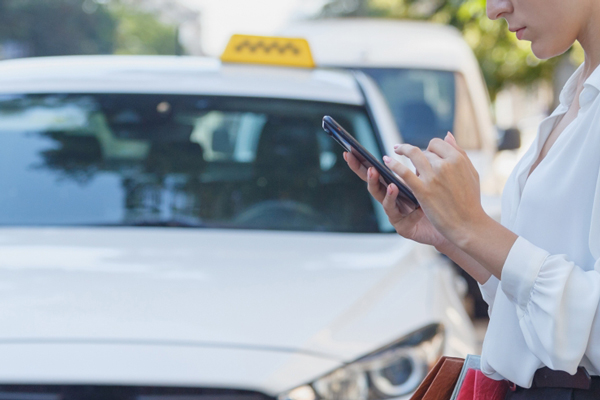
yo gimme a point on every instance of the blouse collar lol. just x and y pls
(589, 93)
(591, 89)
(567, 94)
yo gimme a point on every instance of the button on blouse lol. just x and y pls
(545, 309)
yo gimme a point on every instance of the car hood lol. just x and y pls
(322, 296)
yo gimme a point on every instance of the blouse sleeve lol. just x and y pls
(488, 292)
(556, 303)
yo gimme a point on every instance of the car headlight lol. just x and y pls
(392, 371)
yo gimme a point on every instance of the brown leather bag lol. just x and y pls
(440, 381)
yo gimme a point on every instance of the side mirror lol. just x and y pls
(510, 139)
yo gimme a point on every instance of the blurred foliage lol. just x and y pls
(57, 27)
(140, 32)
(503, 59)
(69, 27)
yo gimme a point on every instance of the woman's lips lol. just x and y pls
(520, 33)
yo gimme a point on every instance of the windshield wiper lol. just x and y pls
(171, 223)
(166, 223)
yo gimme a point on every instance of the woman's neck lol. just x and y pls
(589, 38)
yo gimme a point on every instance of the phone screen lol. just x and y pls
(406, 200)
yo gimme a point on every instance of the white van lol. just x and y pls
(428, 74)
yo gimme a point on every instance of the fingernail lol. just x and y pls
(370, 172)
(396, 146)
(386, 159)
(345, 156)
(389, 189)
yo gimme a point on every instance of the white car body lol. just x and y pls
(253, 310)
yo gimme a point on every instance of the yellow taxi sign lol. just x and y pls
(291, 52)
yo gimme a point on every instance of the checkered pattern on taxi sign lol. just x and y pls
(291, 52)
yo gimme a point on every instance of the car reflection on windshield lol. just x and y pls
(180, 161)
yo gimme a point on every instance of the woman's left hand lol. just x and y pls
(446, 185)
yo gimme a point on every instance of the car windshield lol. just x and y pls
(428, 103)
(180, 160)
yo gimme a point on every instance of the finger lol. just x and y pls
(452, 140)
(442, 148)
(389, 203)
(409, 177)
(414, 217)
(356, 166)
(416, 156)
(431, 157)
(374, 186)
(400, 221)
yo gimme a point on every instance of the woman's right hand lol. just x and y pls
(414, 226)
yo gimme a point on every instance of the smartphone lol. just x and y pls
(406, 200)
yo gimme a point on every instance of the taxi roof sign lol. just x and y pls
(291, 52)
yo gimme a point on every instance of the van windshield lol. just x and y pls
(428, 103)
(180, 160)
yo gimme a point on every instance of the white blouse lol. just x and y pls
(544, 311)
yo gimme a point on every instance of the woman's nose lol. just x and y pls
(497, 8)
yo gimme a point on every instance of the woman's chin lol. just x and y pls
(544, 52)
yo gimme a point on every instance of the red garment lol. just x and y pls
(477, 386)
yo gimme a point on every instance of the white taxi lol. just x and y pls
(182, 228)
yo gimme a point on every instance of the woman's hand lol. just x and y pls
(446, 185)
(414, 226)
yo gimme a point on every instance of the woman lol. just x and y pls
(538, 270)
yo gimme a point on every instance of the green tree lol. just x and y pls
(71, 27)
(52, 27)
(503, 59)
(140, 32)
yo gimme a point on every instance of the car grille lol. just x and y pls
(99, 392)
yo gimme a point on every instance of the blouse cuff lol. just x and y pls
(520, 271)
(489, 289)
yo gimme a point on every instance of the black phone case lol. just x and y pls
(406, 200)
